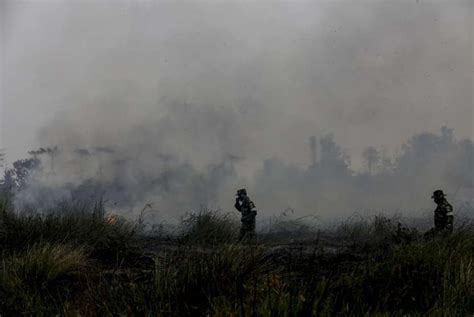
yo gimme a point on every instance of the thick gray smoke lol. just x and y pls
(178, 104)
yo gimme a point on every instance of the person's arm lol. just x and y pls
(252, 208)
(450, 217)
(237, 204)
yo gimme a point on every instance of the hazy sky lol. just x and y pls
(371, 72)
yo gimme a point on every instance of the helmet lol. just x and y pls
(242, 191)
(438, 194)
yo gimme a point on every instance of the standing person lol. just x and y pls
(443, 214)
(248, 211)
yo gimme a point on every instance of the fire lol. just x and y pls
(111, 219)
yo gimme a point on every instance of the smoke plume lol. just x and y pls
(179, 104)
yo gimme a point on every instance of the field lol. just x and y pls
(80, 262)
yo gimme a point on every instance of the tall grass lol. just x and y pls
(108, 242)
(39, 279)
(79, 263)
(208, 227)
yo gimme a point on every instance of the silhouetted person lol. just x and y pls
(248, 211)
(443, 214)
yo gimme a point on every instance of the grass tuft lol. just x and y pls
(40, 277)
(208, 227)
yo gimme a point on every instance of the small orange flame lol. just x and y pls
(111, 219)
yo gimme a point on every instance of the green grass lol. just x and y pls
(78, 263)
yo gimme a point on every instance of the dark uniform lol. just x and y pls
(443, 214)
(249, 212)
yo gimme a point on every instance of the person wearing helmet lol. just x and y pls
(443, 214)
(247, 208)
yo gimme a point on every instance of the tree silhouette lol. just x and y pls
(2, 158)
(371, 157)
(333, 157)
(2, 165)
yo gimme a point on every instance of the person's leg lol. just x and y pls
(242, 232)
(247, 230)
(252, 229)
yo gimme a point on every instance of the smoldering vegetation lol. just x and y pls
(128, 179)
(82, 262)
